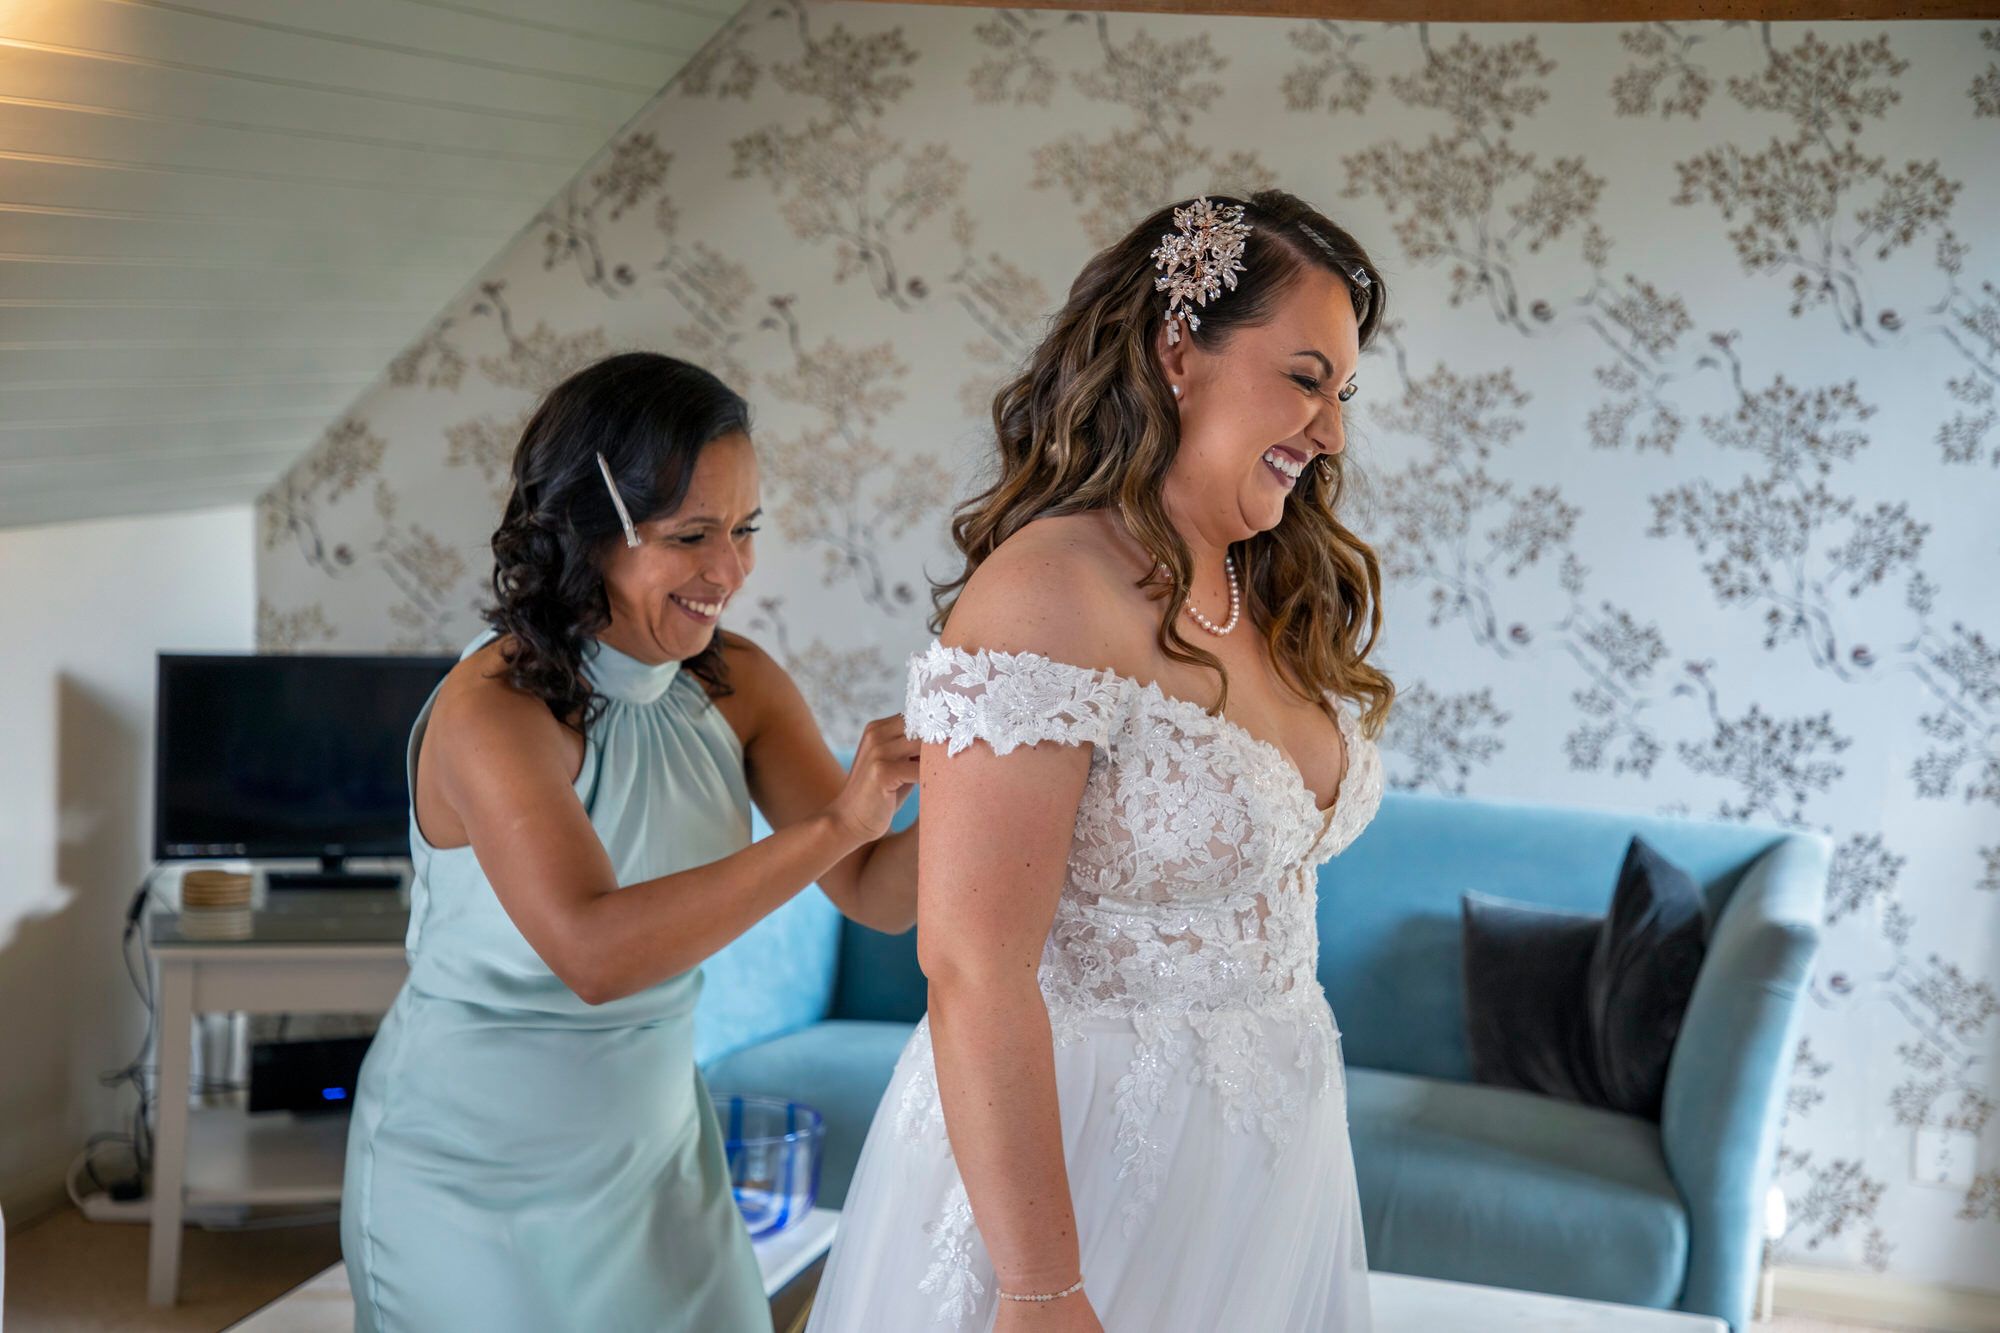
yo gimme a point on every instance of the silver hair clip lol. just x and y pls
(624, 514)
(1201, 257)
(1361, 285)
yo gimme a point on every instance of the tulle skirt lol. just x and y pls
(1245, 1222)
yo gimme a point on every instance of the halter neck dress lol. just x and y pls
(521, 1160)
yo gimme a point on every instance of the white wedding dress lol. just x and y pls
(1198, 1069)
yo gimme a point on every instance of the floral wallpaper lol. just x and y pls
(1682, 451)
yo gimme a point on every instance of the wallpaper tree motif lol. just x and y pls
(1681, 450)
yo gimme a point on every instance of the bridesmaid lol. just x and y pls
(532, 1146)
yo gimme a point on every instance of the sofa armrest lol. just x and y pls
(1726, 1082)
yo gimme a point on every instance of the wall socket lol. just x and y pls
(1948, 1159)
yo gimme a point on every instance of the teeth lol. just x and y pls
(699, 608)
(1284, 463)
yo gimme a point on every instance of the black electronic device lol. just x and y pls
(315, 1076)
(278, 756)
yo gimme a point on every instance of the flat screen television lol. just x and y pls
(285, 755)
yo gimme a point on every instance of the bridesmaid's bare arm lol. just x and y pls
(793, 775)
(496, 771)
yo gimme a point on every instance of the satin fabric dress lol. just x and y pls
(520, 1160)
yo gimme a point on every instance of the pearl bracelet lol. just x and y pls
(1070, 1290)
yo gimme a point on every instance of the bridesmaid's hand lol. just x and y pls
(1071, 1314)
(885, 768)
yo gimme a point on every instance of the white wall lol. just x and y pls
(84, 607)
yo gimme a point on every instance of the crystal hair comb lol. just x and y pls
(624, 514)
(1201, 256)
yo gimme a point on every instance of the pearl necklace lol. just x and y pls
(1235, 604)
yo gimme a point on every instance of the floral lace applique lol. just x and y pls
(955, 699)
(919, 1112)
(950, 1277)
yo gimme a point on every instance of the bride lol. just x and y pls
(1126, 1108)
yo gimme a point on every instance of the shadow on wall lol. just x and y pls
(103, 756)
(49, 926)
(35, 972)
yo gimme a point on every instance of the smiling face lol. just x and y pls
(1259, 409)
(668, 592)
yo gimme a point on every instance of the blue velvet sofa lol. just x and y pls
(1458, 1180)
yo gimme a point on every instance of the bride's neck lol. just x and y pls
(1205, 548)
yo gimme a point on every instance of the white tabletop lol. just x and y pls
(326, 1304)
(796, 1248)
(1401, 1304)
(1425, 1305)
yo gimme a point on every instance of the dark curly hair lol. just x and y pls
(650, 416)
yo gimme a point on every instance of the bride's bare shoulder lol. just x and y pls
(1061, 587)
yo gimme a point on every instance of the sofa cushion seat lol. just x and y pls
(1507, 1188)
(839, 1067)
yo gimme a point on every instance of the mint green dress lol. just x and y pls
(522, 1161)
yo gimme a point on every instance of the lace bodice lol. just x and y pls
(1190, 884)
(1189, 903)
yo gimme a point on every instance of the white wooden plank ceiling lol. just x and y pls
(219, 219)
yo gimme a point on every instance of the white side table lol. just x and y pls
(326, 1304)
(1401, 1304)
(305, 953)
(1427, 1305)
(795, 1249)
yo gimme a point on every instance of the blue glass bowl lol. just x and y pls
(774, 1149)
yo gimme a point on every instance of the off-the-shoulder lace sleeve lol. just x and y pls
(957, 697)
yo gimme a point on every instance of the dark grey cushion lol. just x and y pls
(1642, 975)
(1579, 1006)
(1527, 969)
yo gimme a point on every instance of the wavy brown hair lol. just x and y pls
(1090, 424)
